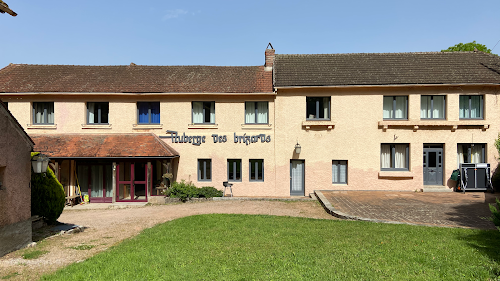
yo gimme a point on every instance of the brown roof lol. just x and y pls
(387, 69)
(102, 146)
(19, 78)
(4, 8)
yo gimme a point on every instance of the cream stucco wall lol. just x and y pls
(356, 134)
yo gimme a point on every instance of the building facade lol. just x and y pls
(298, 123)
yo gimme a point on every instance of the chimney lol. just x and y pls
(268, 66)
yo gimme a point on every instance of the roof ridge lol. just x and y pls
(136, 65)
(388, 53)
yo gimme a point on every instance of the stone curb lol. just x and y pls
(262, 199)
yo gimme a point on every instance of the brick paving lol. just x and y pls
(448, 209)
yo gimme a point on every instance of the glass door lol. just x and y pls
(297, 177)
(131, 181)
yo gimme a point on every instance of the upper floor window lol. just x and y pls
(432, 107)
(394, 157)
(148, 112)
(97, 112)
(43, 113)
(395, 107)
(234, 169)
(203, 112)
(471, 107)
(471, 153)
(256, 112)
(318, 108)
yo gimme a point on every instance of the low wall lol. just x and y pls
(15, 236)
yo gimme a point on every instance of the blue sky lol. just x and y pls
(153, 32)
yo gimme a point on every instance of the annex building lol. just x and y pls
(298, 123)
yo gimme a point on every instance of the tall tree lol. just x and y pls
(460, 47)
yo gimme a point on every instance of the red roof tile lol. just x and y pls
(102, 146)
(25, 78)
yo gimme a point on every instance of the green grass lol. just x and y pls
(35, 254)
(82, 247)
(8, 276)
(245, 247)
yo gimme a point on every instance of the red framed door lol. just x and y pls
(131, 182)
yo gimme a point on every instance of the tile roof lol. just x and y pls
(386, 69)
(26, 78)
(102, 146)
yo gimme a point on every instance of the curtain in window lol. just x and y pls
(109, 180)
(83, 176)
(460, 154)
(39, 113)
(400, 107)
(388, 107)
(476, 154)
(155, 112)
(438, 107)
(475, 110)
(250, 112)
(212, 112)
(197, 112)
(425, 107)
(464, 106)
(143, 112)
(297, 176)
(343, 171)
(91, 112)
(335, 171)
(50, 112)
(385, 156)
(400, 156)
(96, 181)
(262, 109)
(326, 103)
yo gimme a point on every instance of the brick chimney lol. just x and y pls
(268, 66)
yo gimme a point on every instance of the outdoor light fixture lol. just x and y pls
(297, 148)
(40, 163)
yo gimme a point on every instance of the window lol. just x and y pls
(205, 169)
(234, 169)
(394, 157)
(256, 112)
(432, 107)
(97, 112)
(318, 108)
(395, 107)
(148, 112)
(339, 171)
(6, 104)
(471, 153)
(471, 107)
(203, 112)
(43, 113)
(256, 169)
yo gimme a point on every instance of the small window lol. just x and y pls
(395, 107)
(43, 113)
(471, 153)
(471, 107)
(318, 108)
(256, 169)
(234, 169)
(97, 112)
(204, 169)
(203, 112)
(148, 113)
(432, 107)
(394, 157)
(256, 112)
(339, 171)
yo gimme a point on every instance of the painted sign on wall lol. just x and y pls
(216, 138)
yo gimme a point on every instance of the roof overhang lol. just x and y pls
(384, 86)
(6, 9)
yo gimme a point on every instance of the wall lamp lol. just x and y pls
(40, 163)
(297, 148)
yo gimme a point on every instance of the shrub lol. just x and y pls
(186, 191)
(495, 211)
(495, 179)
(47, 195)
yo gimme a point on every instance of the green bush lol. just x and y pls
(495, 179)
(186, 191)
(495, 211)
(47, 195)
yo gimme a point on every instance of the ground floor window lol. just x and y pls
(394, 157)
(256, 169)
(205, 169)
(471, 153)
(339, 171)
(95, 180)
(234, 169)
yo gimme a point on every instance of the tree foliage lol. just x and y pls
(460, 47)
(47, 195)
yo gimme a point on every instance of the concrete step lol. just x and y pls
(437, 188)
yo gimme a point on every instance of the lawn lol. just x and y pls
(249, 247)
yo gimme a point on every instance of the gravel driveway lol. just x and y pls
(105, 228)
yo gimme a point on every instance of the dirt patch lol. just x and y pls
(108, 227)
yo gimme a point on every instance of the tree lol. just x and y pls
(460, 47)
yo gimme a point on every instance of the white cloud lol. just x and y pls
(172, 14)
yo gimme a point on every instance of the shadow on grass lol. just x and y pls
(486, 242)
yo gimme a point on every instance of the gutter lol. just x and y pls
(382, 86)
